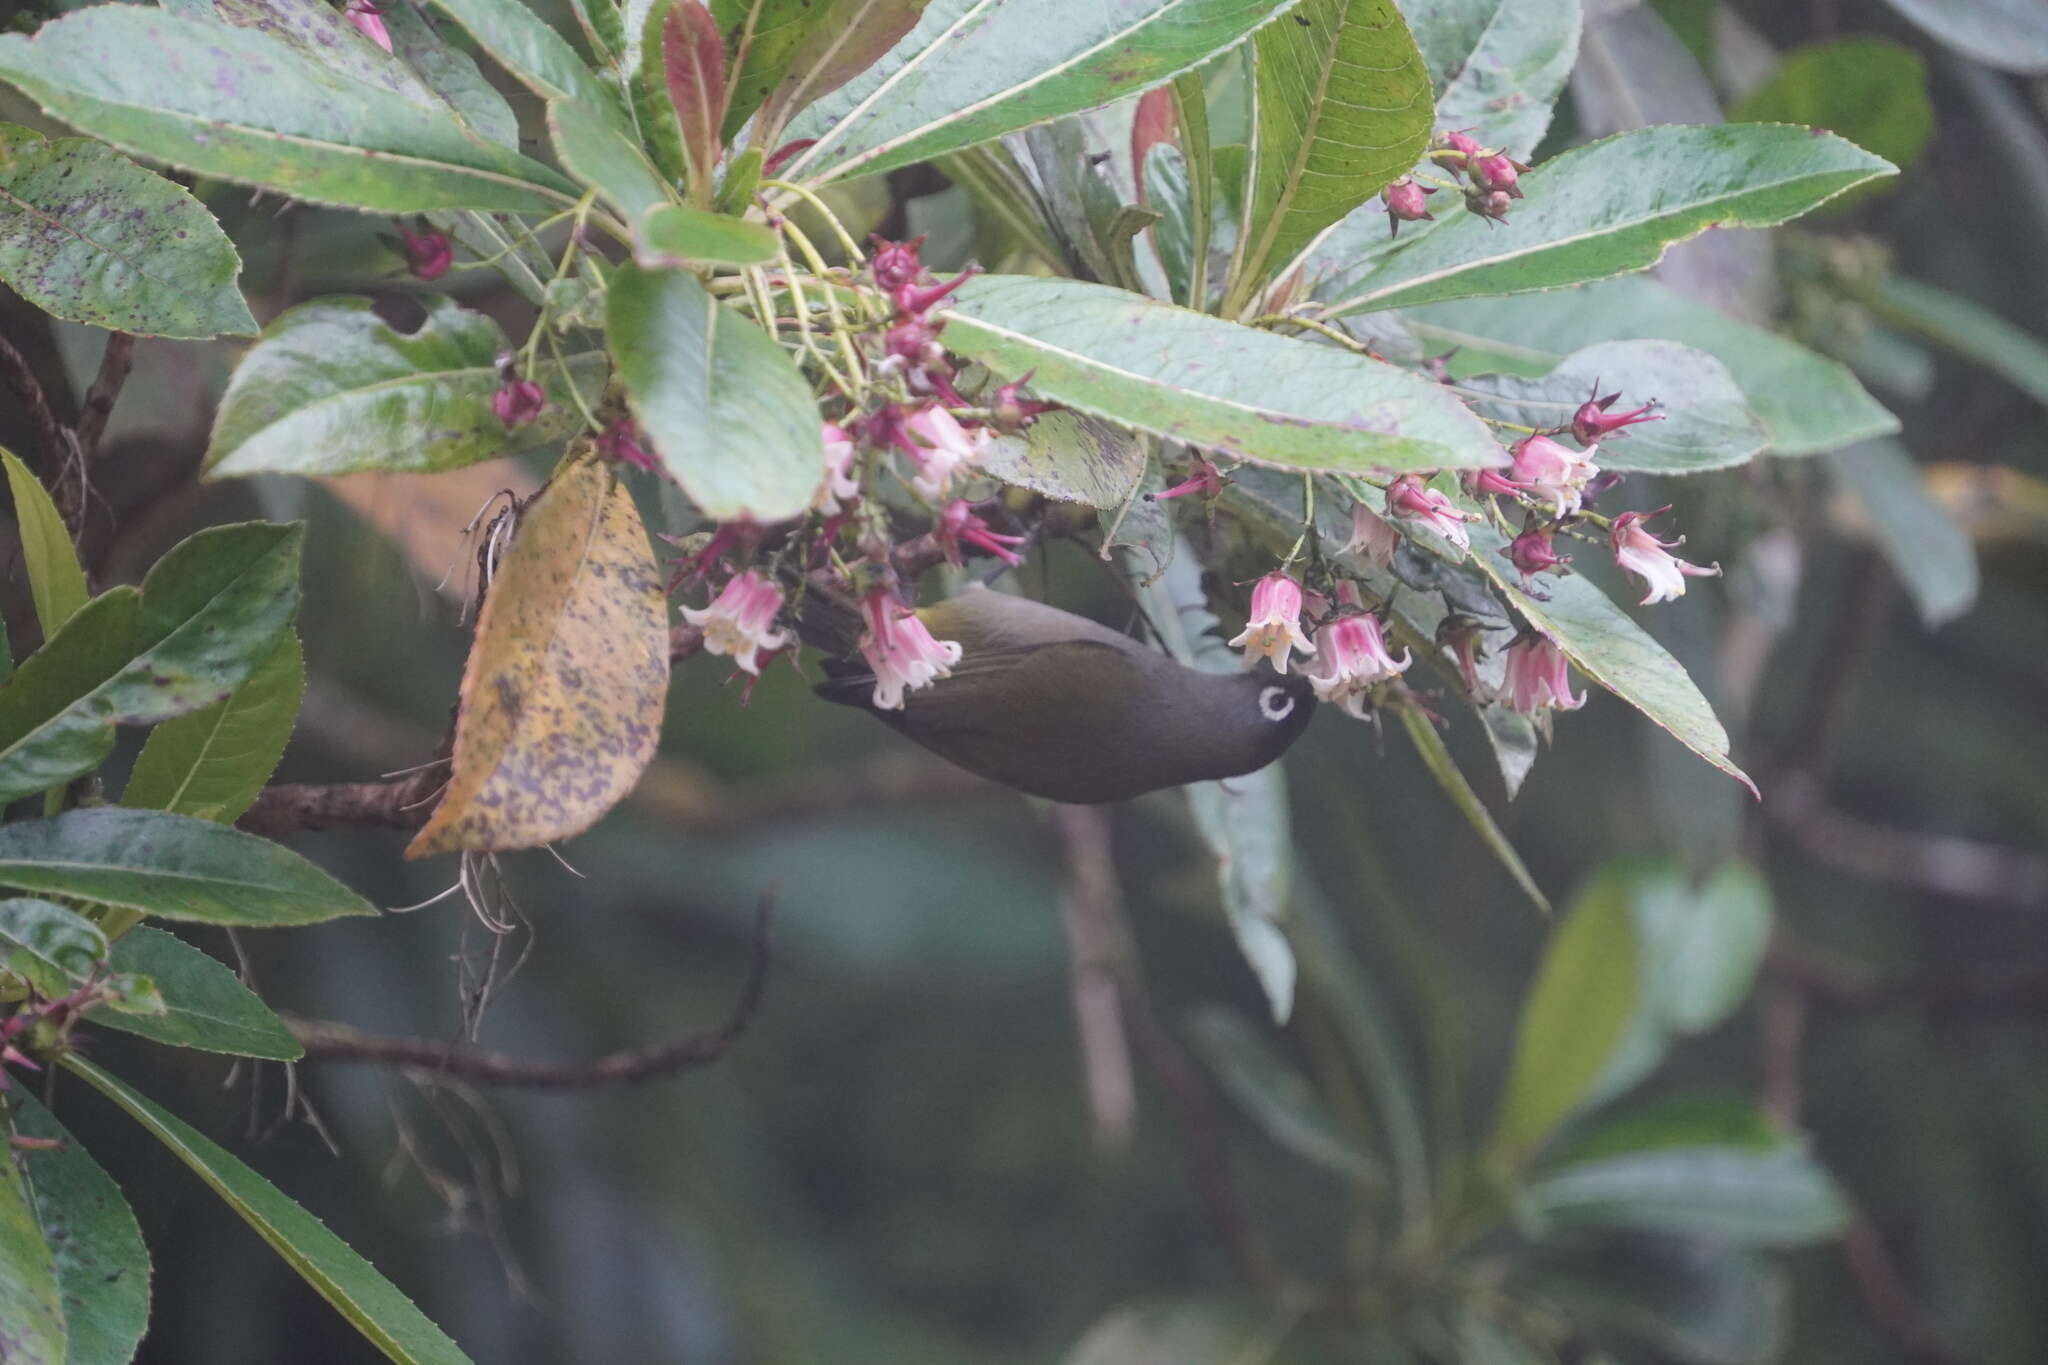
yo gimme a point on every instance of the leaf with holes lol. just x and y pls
(562, 697)
(89, 236)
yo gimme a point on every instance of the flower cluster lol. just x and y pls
(1492, 177)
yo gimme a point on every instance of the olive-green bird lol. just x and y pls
(1055, 705)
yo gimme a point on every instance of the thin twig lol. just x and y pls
(1100, 957)
(1890, 1299)
(1841, 983)
(327, 1041)
(62, 470)
(115, 362)
(1936, 864)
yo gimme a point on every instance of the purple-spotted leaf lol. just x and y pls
(562, 697)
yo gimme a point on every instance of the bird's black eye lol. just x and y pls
(1276, 703)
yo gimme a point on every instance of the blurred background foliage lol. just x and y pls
(899, 1162)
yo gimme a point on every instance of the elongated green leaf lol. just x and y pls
(733, 421)
(53, 949)
(1969, 329)
(1614, 206)
(538, 57)
(1070, 457)
(170, 865)
(1689, 1168)
(1808, 402)
(330, 387)
(1167, 193)
(676, 234)
(210, 612)
(1445, 770)
(1706, 421)
(1921, 539)
(322, 35)
(451, 75)
(370, 1303)
(89, 236)
(972, 70)
(1572, 1020)
(1189, 377)
(1499, 71)
(1870, 90)
(211, 763)
(102, 1265)
(1244, 821)
(600, 153)
(55, 580)
(1615, 652)
(239, 104)
(31, 1310)
(760, 38)
(1342, 107)
(206, 1005)
(2011, 35)
(1275, 1095)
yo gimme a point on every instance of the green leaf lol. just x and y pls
(538, 57)
(1702, 945)
(1706, 420)
(173, 866)
(654, 110)
(1970, 330)
(972, 70)
(31, 1310)
(1614, 206)
(1341, 107)
(763, 35)
(732, 419)
(600, 153)
(89, 236)
(1167, 193)
(452, 76)
(330, 388)
(369, 1302)
(207, 1006)
(1070, 457)
(1926, 546)
(1244, 821)
(1612, 650)
(1870, 90)
(1437, 758)
(676, 234)
(2011, 35)
(55, 580)
(102, 1266)
(241, 105)
(213, 762)
(1275, 1095)
(1499, 65)
(209, 613)
(1690, 1168)
(1808, 402)
(53, 949)
(1180, 374)
(1574, 1017)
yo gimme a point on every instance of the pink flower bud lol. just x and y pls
(1531, 551)
(518, 401)
(1539, 677)
(1480, 482)
(1544, 468)
(1351, 659)
(1010, 412)
(1492, 205)
(1406, 204)
(1462, 151)
(1410, 498)
(959, 525)
(1650, 559)
(740, 620)
(839, 489)
(368, 17)
(1462, 636)
(1372, 536)
(900, 650)
(621, 442)
(1274, 629)
(896, 263)
(940, 447)
(1498, 174)
(427, 254)
(1204, 479)
(915, 343)
(1592, 421)
(918, 299)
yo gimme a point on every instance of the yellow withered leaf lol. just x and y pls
(563, 693)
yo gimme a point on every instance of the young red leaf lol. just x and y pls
(1155, 122)
(693, 53)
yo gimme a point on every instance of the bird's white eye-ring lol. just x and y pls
(1276, 703)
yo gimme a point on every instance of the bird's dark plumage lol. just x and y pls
(1058, 706)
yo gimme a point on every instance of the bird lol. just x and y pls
(1055, 705)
